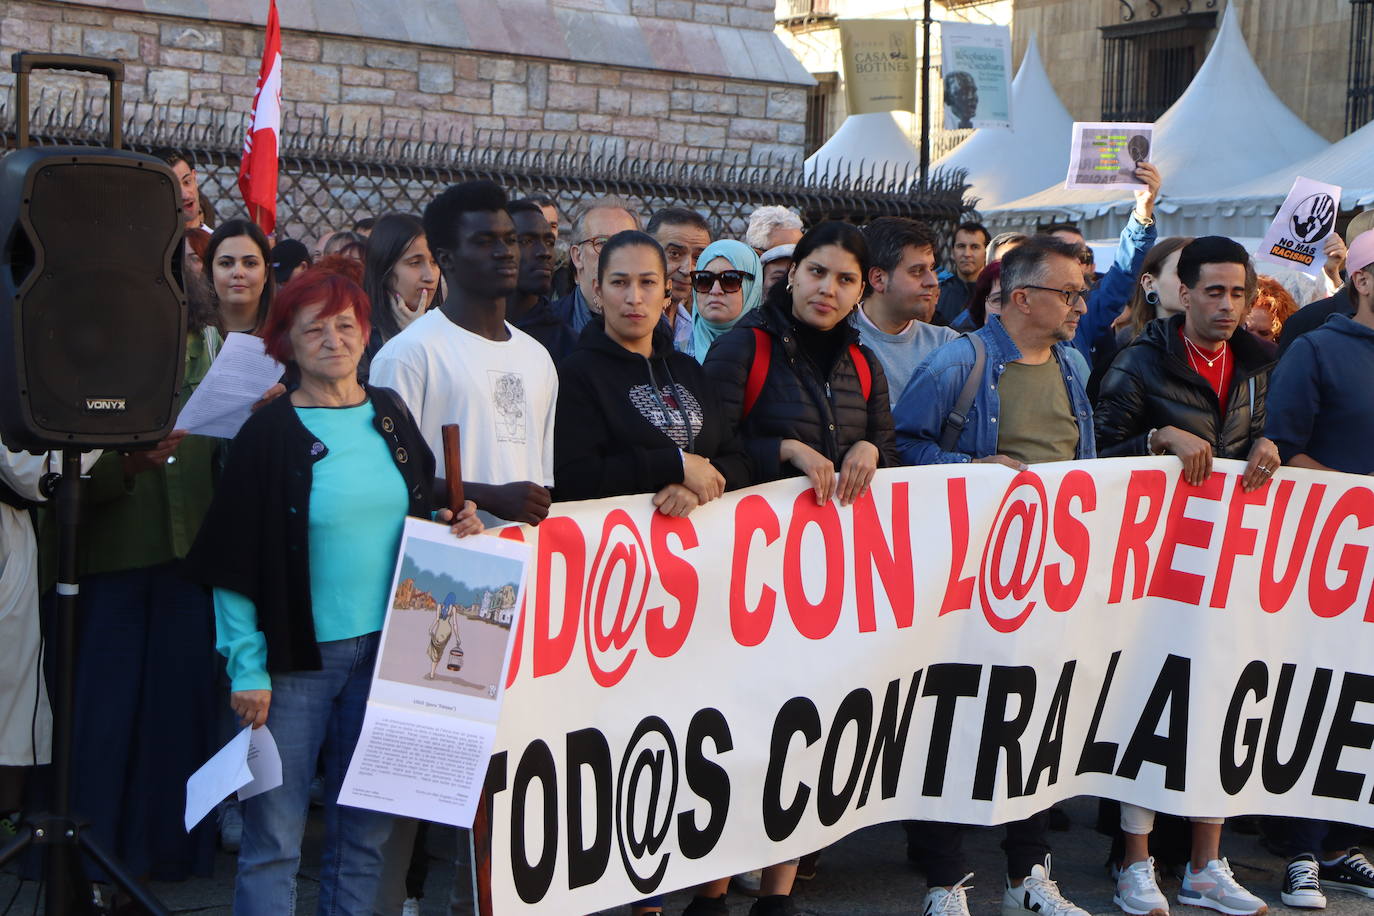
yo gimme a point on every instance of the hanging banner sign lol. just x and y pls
(879, 58)
(1302, 226)
(692, 698)
(975, 61)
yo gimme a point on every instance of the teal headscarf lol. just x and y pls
(741, 257)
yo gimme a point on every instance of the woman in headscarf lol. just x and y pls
(727, 284)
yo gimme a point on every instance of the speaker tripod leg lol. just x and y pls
(120, 877)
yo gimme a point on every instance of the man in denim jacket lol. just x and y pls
(1019, 416)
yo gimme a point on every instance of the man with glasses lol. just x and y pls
(894, 319)
(1030, 406)
(598, 219)
(684, 235)
(1110, 294)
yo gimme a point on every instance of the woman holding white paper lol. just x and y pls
(299, 545)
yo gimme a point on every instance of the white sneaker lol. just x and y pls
(1217, 889)
(1039, 896)
(1137, 890)
(952, 902)
(411, 907)
(1302, 886)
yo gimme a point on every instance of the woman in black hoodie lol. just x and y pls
(635, 416)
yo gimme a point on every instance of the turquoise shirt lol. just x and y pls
(358, 507)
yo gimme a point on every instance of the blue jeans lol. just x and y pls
(311, 710)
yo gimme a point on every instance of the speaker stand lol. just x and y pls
(60, 834)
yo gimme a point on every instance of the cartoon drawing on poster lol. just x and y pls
(1106, 154)
(439, 682)
(976, 63)
(1300, 229)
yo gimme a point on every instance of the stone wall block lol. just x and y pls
(649, 104)
(509, 99)
(436, 77)
(100, 43)
(612, 101)
(309, 82)
(191, 37)
(66, 39)
(169, 85)
(361, 76)
(787, 104)
(537, 86)
(300, 47)
(388, 57)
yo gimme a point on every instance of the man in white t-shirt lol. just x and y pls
(463, 363)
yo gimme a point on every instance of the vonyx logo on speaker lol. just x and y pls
(106, 405)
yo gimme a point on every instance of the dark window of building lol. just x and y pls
(1359, 93)
(1148, 62)
(818, 99)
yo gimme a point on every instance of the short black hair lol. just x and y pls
(172, 156)
(889, 236)
(365, 224)
(971, 226)
(1052, 228)
(445, 212)
(542, 200)
(1024, 265)
(628, 238)
(524, 205)
(1209, 249)
(676, 216)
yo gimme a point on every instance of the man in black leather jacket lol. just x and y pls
(1193, 385)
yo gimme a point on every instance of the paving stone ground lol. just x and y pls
(866, 874)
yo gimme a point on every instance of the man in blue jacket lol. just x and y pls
(1031, 405)
(1110, 294)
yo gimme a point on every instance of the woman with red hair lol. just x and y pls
(299, 546)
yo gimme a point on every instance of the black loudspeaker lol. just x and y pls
(92, 318)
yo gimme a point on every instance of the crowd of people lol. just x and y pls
(235, 583)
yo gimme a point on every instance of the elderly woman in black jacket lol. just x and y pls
(299, 546)
(795, 381)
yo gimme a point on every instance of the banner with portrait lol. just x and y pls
(975, 63)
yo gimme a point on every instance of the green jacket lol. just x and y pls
(152, 518)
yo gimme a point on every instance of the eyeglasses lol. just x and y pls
(730, 280)
(1070, 296)
(597, 242)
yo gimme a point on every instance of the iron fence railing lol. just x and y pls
(331, 176)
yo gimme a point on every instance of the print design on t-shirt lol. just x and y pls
(508, 400)
(642, 397)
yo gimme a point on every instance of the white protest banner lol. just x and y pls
(975, 61)
(691, 698)
(879, 61)
(1106, 154)
(1303, 224)
(440, 678)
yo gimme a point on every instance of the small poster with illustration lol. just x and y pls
(1299, 231)
(1105, 154)
(440, 675)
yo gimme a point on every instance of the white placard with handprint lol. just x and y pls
(1302, 226)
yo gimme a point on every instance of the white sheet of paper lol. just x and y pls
(237, 379)
(1103, 154)
(264, 761)
(1302, 226)
(221, 776)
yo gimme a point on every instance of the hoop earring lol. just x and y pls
(1151, 298)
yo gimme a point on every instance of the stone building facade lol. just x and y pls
(699, 79)
(1303, 47)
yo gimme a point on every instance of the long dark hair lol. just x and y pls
(232, 229)
(834, 232)
(391, 236)
(1138, 312)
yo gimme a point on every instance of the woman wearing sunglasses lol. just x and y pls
(727, 284)
(634, 415)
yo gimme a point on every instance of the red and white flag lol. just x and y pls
(258, 168)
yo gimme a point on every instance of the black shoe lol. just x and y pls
(1058, 819)
(1301, 887)
(776, 905)
(1351, 873)
(806, 866)
(707, 906)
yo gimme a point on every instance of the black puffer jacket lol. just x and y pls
(1151, 386)
(797, 402)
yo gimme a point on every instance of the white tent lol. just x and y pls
(1228, 126)
(866, 145)
(1247, 208)
(1005, 164)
